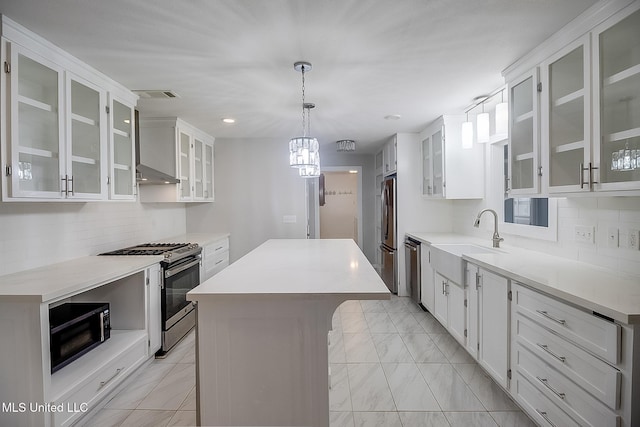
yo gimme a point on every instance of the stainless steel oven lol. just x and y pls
(178, 316)
(180, 273)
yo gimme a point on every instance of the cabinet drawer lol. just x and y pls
(541, 409)
(574, 401)
(596, 335)
(98, 385)
(591, 373)
(220, 245)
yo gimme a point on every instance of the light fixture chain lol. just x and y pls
(304, 129)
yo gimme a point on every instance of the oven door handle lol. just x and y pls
(172, 271)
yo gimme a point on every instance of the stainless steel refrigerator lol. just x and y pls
(389, 244)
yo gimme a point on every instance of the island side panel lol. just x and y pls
(264, 361)
(25, 338)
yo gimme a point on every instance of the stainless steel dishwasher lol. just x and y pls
(412, 266)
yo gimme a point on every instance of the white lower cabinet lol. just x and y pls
(449, 307)
(81, 385)
(565, 355)
(215, 257)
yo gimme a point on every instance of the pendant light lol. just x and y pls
(502, 118)
(304, 150)
(467, 134)
(482, 123)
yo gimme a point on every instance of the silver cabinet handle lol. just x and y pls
(582, 169)
(546, 417)
(409, 246)
(553, 390)
(546, 348)
(548, 316)
(104, 383)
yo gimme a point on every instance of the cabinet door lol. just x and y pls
(86, 165)
(208, 171)
(441, 306)
(493, 327)
(523, 135)
(122, 181)
(154, 319)
(427, 172)
(566, 118)
(617, 95)
(456, 312)
(198, 168)
(37, 131)
(427, 281)
(185, 145)
(437, 155)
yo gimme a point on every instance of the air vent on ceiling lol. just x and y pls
(156, 94)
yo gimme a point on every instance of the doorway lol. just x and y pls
(340, 217)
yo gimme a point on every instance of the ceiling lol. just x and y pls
(234, 58)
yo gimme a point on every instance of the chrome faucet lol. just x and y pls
(496, 237)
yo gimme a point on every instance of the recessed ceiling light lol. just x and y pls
(352, 171)
(392, 117)
(229, 120)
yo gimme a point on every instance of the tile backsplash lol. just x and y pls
(605, 214)
(37, 234)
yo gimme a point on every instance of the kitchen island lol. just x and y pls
(261, 352)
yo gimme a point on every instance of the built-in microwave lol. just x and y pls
(75, 329)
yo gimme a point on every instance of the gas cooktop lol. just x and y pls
(171, 251)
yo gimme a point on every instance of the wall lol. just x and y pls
(37, 234)
(254, 189)
(415, 212)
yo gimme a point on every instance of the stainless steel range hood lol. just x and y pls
(146, 174)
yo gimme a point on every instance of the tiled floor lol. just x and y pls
(392, 365)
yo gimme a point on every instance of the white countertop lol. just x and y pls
(71, 277)
(298, 268)
(598, 289)
(67, 278)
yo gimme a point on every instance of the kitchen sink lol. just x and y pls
(447, 260)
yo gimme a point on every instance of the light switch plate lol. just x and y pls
(584, 233)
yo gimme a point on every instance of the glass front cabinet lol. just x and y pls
(65, 138)
(617, 99)
(565, 118)
(524, 146)
(588, 98)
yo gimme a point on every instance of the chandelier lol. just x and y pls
(304, 150)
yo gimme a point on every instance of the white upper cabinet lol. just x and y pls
(589, 105)
(34, 155)
(175, 148)
(448, 170)
(58, 128)
(617, 94)
(390, 156)
(122, 175)
(566, 113)
(524, 145)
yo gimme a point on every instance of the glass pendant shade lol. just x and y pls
(482, 123)
(310, 171)
(303, 152)
(467, 135)
(502, 119)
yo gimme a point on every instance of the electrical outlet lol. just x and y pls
(633, 239)
(584, 233)
(612, 237)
